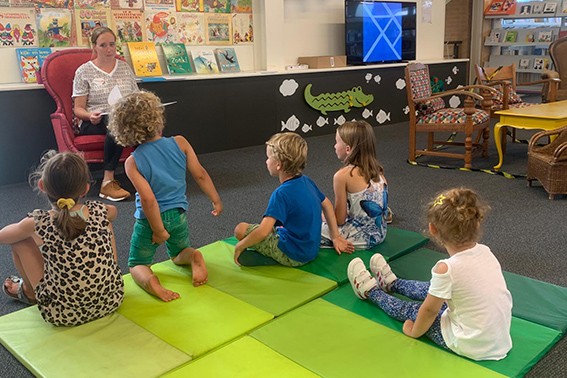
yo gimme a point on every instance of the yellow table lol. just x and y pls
(548, 116)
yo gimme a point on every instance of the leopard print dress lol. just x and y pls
(81, 280)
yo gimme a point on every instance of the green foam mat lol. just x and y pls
(334, 342)
(333, 266)
(530, 340)
(536, 301)
(275, 289)
(109, 347)
(202, 319)
(245, 357)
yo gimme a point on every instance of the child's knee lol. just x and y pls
(240, 230)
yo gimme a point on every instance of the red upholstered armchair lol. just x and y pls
(57, 72)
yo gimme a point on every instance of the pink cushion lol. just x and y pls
(89, 142)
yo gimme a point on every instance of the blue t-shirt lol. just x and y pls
(296, 206)
(164, 166)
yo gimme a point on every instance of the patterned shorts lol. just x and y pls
(269, 247)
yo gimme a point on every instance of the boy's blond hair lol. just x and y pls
(290, 150)
(457, 215)
(136, 118)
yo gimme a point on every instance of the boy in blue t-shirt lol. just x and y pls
(290, 231)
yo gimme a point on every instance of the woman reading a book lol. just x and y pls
(98, 84)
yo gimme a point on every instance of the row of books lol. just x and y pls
(511, 8)
(65, 27)
(526, 36)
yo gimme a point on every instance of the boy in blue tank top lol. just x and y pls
(157, 168)
(290, 231)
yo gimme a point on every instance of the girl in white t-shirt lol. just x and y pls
(466, 306)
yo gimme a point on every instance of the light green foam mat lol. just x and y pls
(536, 301)
(530, 340)
(334, 342)
(109, 347)
(333, 266)
(245, 357)
(275, 289)
(201, 320)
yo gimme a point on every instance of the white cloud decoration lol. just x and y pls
(288, 87)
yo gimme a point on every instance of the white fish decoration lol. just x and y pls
(292, 124)
(449, 80)
(306, 128)
(368, 76)
(378, 79)
(382, 116)
(455, 70)
(322, 121)
(400, 84)
(406, 109)
(454, 102)
(339, 121)
(367, 113)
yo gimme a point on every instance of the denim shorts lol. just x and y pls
(142, 250)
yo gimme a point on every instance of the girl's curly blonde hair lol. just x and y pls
(290, 149)
(136, 118)
(457, 215)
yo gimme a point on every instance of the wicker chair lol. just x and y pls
(558, 51)
(548, 163)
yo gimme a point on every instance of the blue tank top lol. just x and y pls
(164, 166)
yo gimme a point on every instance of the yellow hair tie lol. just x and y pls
(439, 200)
(65, 202)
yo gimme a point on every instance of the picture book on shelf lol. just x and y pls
(241, 6)
(86, 20)
(530, 37)
(215, 6)
(160, 25)
(19, 27)
(227, 59)
(218, 29)
(499, 7)
(242, 28)
(545, 36)
(129, 25)
(177, 59)
(541, 64)
(495, 35)
(564, 7)
(205, 62)
(550, 7)
(30, 60)
(525, 9)
(144, 58)
(190, 28)
(524, 64)
(537, 8)
(511, 36)
(189, 6)
(54, 27)
(127, 4)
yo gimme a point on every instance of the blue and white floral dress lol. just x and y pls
(367, 211)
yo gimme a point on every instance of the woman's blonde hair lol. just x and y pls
(136, 118)
(290, 149)
(64, 176)
(457, 215)
(359, 136)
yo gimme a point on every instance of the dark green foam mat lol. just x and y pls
(530, 340)
(334, 342)
(536, 301)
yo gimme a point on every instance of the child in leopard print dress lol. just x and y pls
(66, 256)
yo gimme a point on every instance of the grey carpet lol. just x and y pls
(526, 231)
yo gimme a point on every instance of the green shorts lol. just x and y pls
(269, 247)
(142, 250)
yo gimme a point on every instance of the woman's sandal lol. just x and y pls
(19, 296)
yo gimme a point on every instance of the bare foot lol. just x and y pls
(154, 287)
(199, 269)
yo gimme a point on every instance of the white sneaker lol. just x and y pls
(360, 279)
(382, 271)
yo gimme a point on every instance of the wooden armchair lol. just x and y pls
(548, 163)
(429, 114)
(558, 52)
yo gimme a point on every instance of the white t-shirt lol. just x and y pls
(476, 323)
(96, 84)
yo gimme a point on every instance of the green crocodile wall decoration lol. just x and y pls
(329, 102)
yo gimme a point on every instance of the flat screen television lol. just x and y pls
(379, 31)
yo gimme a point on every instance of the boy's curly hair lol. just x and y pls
(136, 118)
(457, 215)
(290, 149)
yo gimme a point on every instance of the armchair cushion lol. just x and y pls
(449, 115)
(498, 97)
(421, 87)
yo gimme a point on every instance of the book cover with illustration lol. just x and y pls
(541, 64)
(178, 61)
(495, 35)
(242, 28)
(218, 29)
(205, 62)
(90, 4)
(190, 28)
(498, 7)
(524, 64)
(550, 7)
(54, 28)
(127, 4)
(241, 6)
(564, 7)
(537, 8)
(160, 25)
(86, 20)
(129, 25)
(18, 27)
(156, 5)
(189, 5)
(511, 36)
(217, 6)
(30, 60)
(144, 58)
(545, 36)
(227, 60)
